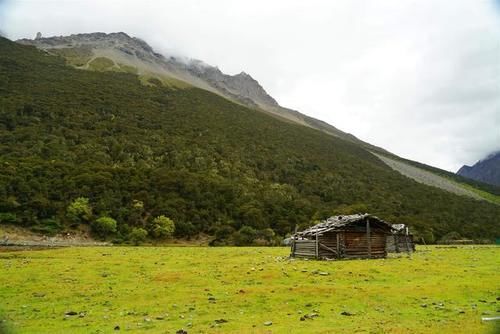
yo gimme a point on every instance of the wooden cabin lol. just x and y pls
(339, 237)
(400, 240)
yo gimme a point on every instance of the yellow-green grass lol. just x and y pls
(101, 64)
(484, 194)
(77, 56)
(161, 290)
(166, 80)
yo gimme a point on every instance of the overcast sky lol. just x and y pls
(419, 78)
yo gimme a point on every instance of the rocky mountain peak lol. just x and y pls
(240, 87)
(486, 170)
(243, 75)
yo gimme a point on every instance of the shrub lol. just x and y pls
(449, 238)
(245, 236)
(223, 236)
(8, 218)
(155, 82)
(162, 227)
(79, 210)
(137, 235)
(48, 226)
(184, 229)
(104, 226)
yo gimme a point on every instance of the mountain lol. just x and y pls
(486, 170)
(118, 52)
(79, 145)
(122, 53)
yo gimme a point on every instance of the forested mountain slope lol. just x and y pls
(120, 52)
(213, 166)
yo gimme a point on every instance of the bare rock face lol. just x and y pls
(240, 86)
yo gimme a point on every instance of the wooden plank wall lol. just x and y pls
(390, 245)
(330, 241)
(349, 245)
(356, 245)
(305, 248)
(397, 243)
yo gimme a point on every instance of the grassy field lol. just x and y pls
(243, 290)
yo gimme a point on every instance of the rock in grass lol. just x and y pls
(117, 328)
(268, 323)
(220, 321)
(309, 316)
(181, 331)
(346, 313)
(70, 313)
(319, 272)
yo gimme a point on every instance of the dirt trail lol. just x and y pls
(11, 236)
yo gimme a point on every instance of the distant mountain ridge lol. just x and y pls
(123, 53)
(486, 170)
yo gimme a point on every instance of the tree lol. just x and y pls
(184, 229)
(245, 236)
(137, 235)
(450, 237)
(104, 226)
(136, 213)
(79, 211)
(7, 218)
(162, 227)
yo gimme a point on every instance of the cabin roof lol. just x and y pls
(338, 222)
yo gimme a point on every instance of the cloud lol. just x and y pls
(419, 78)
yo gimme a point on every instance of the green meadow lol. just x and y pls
(247, 290)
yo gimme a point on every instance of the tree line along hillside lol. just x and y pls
(138, 162)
